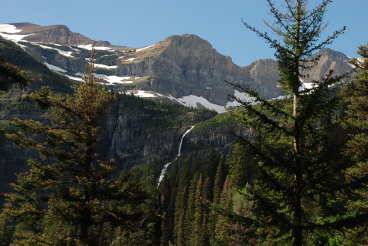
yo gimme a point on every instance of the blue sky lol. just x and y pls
(138, 23)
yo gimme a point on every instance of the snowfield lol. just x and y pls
(144, 48)
(61, 71)
(242, 97)
(61, 52)
(103, 66)
(55, 68)
(73, 78)
(14, 37)
(89, 47)
(193, 101)
(114, 79)
(130, 59)
(8, 31)
(9, 28)
(143, 94)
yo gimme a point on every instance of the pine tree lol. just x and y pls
(222, 223)
(239, 170)
(69, 194)
(190, 211)
(356, 124)
(300, 187)
(218, 184)
(199, 223)
(180, 203)
(6, 230)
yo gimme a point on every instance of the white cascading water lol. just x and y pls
(166, 166)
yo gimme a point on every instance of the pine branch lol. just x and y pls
(327, 41)
(272, 42)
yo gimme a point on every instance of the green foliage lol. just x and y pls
(69, 195)
(12, 75)
(300, 190)
(6, 230)
(239, 173)
(219, 120)
(356, 124)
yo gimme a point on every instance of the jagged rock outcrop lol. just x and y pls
(189, 65)
(264, 72)
(137, 132)
(57, 34)
(330, 60)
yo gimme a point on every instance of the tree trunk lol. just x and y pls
(297, 230)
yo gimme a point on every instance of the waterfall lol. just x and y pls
(166, 166)
(181, 140)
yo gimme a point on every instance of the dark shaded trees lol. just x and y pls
(355, 123)
(10, 75)
(69, 195)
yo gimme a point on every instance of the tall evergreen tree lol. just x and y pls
(300, 187)
(356, 124)
(190, 211)
(222, 229)
(200, 235)
(69, 195)
(238, 168)
(180, 207)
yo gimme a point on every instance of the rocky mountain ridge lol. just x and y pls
(183, 68)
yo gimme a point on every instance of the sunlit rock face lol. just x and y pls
(182, 68)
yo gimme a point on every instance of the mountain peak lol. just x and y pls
(58, 34)
(190, 40)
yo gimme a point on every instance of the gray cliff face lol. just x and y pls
(137, 132)
(188, 65)
(330, 60)
(133, 135)
(264, 72)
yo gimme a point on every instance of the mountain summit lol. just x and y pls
(183, 68)
(57, 34)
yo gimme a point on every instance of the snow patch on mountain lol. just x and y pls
(55, 68)
(130, 59)
(14, 37)
(61, 71)
(240, 96)
(103, 66)
(89, 47)
(112, 79)
(8, 32)
(143, 94)
(9, 28)
(73, 78)
(196, 101)
(61, 52)
(144, 48)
